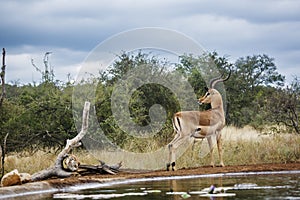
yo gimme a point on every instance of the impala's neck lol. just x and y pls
(217, 103)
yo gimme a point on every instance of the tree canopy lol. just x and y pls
(40, 115)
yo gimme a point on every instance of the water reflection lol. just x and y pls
(261, 185)
(282, 186)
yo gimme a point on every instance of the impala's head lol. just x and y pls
(211, 93)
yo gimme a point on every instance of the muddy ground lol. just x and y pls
(129, 174)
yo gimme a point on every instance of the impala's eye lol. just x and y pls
(207, 94)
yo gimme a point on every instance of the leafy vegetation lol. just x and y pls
(40, 115)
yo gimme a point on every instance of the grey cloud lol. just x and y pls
(233, 27)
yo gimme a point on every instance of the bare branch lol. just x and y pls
(2, 76)
(36, 68)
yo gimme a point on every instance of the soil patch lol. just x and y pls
(130, 174)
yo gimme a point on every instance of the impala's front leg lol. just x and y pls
(211, 148)
(219, 144)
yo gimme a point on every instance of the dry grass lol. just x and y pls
(34, 162)
(256, 148)
(246, 146)
(29, 162)
(241, 147)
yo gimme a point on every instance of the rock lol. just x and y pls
(11, 178)
(15, 178)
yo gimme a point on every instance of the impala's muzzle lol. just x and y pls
(200, 101)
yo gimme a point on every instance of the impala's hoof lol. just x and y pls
(173, 166)
(168, 166)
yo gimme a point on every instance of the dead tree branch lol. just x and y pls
(65, 164)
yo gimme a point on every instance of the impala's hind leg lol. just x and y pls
(172, 155)
(172, 151)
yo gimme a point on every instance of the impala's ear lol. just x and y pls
(206, 89)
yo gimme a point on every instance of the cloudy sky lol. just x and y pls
(71, 29)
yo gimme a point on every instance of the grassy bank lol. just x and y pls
(241, 147)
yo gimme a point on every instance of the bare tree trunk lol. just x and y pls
(2, 76)
(3, 152)
(295, 119)
(3, 95)
(58, 169)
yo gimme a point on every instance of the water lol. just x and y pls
(240, 186)
(256, 185)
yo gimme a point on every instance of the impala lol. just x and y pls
(193, 125)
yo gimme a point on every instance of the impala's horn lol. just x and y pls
(211, 82)
(214, 81)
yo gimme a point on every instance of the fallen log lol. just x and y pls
(101, 169)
